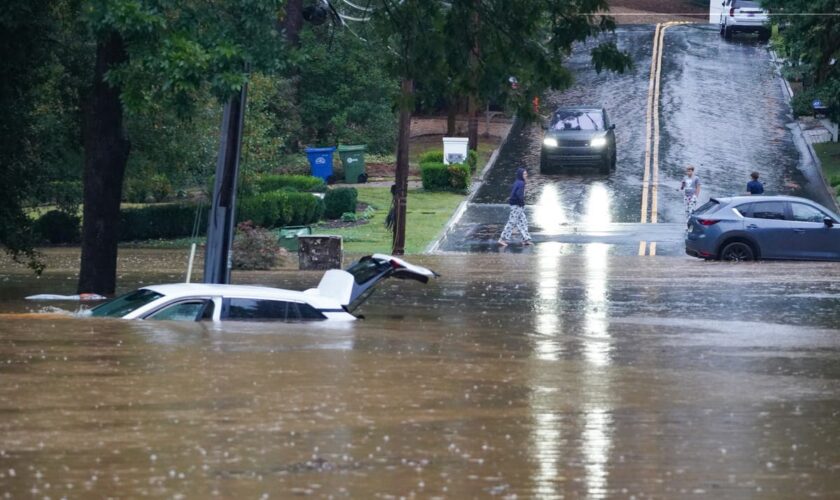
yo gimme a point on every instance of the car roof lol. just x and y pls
(208, 289)
(760, 197)
(580, 108)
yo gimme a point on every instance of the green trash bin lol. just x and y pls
(353, 161)
(288, 236)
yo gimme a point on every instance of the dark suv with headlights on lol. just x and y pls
(581, 136)
(763, 227)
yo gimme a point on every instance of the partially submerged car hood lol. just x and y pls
(352, 286)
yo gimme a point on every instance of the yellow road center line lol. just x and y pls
(648, 120)
(654, 215)
(652, 248)
(642, 247)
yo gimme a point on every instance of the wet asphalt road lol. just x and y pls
(546, 375)
(722, 109)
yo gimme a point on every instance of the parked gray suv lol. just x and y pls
(763, 227)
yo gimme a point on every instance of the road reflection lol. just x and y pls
(549, 213)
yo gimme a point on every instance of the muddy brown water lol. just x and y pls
(541, 375)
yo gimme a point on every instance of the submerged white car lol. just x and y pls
(338, 294)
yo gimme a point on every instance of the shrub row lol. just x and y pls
(280, 208)
(436, 156)
(440, 177)
(339, 201)
(151, 222)
(58, 228)
(271, 182)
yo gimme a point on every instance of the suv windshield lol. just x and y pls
(577, 120)
(123, 305)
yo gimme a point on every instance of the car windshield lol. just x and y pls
(123, 305)
(577, 120)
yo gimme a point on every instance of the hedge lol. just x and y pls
(280, 208)
(440, 177)
(436, 156)
(269, 182)
(339, 201)
(57, 227)
(164, 221)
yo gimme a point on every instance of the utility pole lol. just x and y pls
(401, 177)
(217, 260)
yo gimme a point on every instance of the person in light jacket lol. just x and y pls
(517, 217)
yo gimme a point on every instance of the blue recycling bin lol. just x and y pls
(321, 162)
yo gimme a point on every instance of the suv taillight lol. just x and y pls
(732, 12)
(707, 222)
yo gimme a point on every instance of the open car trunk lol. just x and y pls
(351, 287)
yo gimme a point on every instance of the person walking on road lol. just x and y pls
(517, 217)
(755, 186)
(691, 190)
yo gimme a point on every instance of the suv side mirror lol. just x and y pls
(828, 221)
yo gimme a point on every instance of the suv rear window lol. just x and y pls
(268, 310)
(707, 208)
(763, 210)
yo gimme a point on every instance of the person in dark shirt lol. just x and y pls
(517, 217)
(754, 186)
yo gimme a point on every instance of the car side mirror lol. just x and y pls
(828, 221)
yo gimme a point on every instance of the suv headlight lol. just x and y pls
(550, 142)
(598, 142)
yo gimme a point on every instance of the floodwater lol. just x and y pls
(517, 376)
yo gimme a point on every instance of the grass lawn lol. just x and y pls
(829, 153)
(427, 214)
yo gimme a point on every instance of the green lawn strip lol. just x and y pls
(829, 154)
(427, 214)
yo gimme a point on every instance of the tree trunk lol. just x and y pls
(451, 117)
(293, 22)
(401, 176)
(106, 154)
(472, 124)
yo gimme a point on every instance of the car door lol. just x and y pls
(766, 222)
(811, 237)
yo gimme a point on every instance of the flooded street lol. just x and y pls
(540, 375)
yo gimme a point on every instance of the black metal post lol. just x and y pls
(217, 260)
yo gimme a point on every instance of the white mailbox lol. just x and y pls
(455, 150)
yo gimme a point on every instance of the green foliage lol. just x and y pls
(57, 227)
(273, 182)
(345, 95)
(802, 101)
(435, 176)
(432, 156)
(337, 201)
(66, 195)
(439, 177)
(255, 248)
(160, 188)
(834, 181)
(472, 160)
(349, 217)
(810, 43)
(164, 221)
(459, 176)
(137, 190)
(280, 208)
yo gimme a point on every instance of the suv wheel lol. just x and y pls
(764, 35)
(727, 32)
(722, 27)
(737, 252)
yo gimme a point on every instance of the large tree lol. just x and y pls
(148, 51)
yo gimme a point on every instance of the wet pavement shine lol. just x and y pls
(722, 109)
(544, 375)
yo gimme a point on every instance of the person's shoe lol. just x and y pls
(502, 243)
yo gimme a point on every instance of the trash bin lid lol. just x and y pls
(320, 150)
(350, 149)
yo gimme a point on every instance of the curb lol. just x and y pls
(434, 246)
(815, 159)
